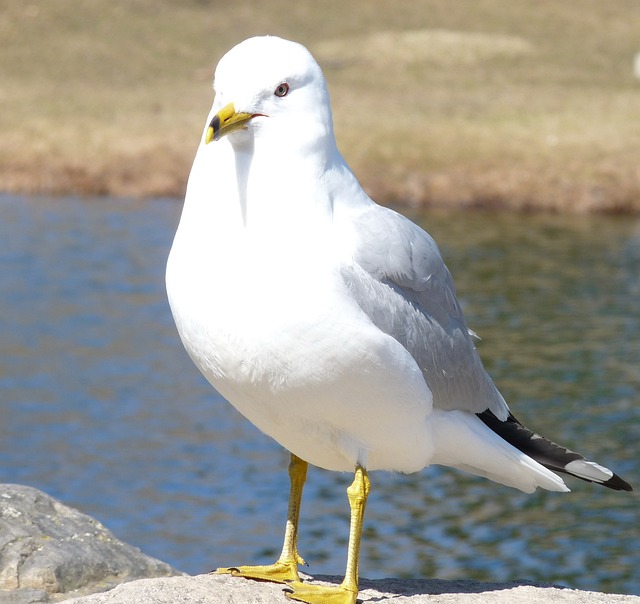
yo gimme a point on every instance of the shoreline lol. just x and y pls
(517, 188)
(54, 553)
(492, 106)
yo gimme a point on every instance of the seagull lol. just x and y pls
(328, 321)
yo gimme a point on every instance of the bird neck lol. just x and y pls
(253, 187)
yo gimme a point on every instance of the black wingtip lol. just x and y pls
(617, 484)
(551, 455)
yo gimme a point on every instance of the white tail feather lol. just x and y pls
(463, 441)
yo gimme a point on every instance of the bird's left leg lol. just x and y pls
(286, 568)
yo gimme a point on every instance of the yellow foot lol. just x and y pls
(279, 572)
(320, 594)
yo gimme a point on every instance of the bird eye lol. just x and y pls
(282, 90)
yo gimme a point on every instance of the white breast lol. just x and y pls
(261, 323)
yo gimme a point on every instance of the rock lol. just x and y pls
(50, 552)
(214, 589)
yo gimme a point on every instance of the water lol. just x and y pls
(100, 407)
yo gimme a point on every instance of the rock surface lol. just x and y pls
(50, 552)
(217, 589)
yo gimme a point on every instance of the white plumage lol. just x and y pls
(328, 321)
(259, 285)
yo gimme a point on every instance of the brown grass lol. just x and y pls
(492, 103)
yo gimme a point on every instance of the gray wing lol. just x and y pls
(401, 282)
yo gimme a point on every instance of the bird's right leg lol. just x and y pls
(286, 568)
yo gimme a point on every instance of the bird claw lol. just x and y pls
(275, 573)
(319, 594)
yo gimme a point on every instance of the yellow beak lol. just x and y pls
(227, 121)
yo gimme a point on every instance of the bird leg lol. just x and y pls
(347, 592)
(286, 568)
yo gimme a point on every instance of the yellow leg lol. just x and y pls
(286, 568)
(347, 592)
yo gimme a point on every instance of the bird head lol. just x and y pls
(269, 87)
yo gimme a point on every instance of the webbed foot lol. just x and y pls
(280, 572)
(320, 594)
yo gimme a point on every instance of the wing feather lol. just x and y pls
(400, 281)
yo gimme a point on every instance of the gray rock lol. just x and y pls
(218, 589)
(50, 552)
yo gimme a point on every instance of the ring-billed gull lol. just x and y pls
(328, 321)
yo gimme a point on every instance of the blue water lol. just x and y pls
(100, 406)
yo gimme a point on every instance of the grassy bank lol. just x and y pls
(487, 103)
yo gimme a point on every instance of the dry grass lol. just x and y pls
(493, 103)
